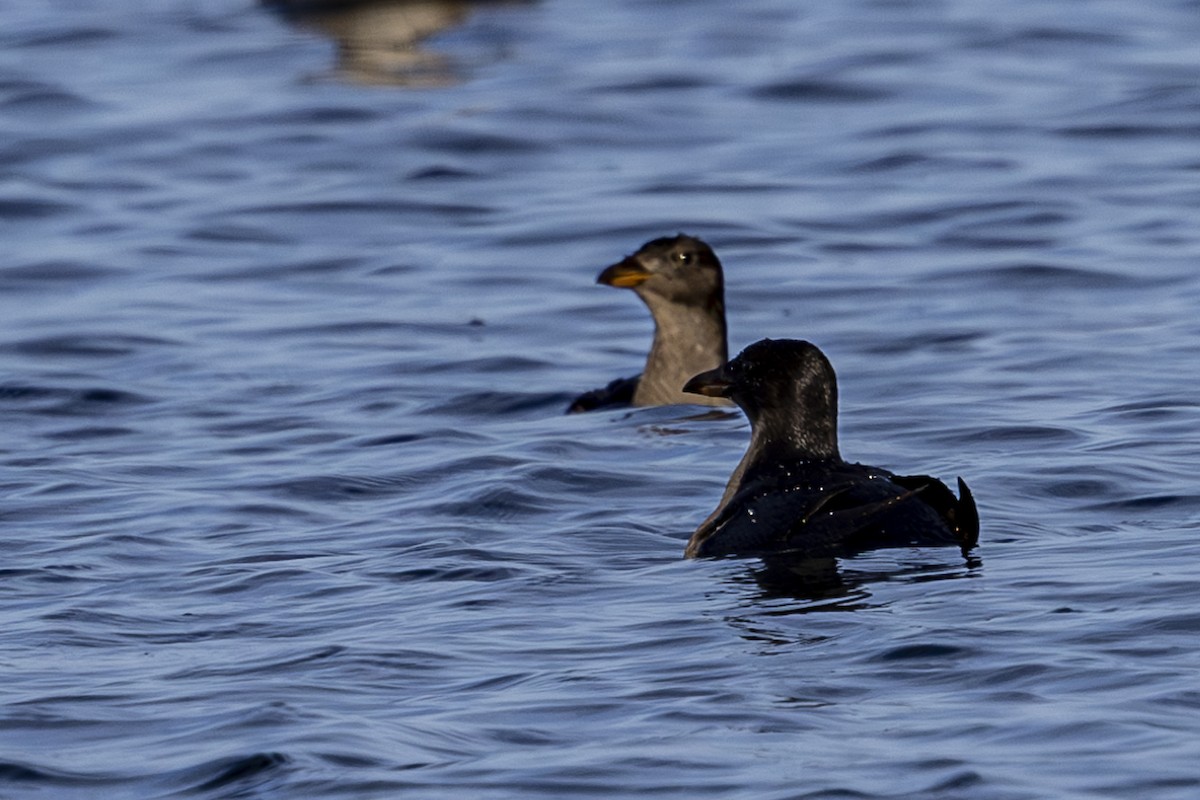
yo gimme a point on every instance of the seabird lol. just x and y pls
(792, 492)
(679, 279)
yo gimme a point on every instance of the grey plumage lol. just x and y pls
(680, 280)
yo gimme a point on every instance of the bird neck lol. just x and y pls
(790, 440)
(687, 340)
(768, 452)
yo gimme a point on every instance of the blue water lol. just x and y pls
(288, 506)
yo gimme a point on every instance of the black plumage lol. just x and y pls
(793, 492)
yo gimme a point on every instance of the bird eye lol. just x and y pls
(685, 258)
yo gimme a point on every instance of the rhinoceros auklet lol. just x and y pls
(679, 279)
(792, 492)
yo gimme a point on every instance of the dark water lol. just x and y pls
(287, 504)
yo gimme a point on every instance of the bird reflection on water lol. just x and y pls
(779, 591)
(824, 584)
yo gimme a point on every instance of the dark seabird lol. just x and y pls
(679, 279)
(792, 492)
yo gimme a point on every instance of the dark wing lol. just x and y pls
(823, 516)
(840, 511)
(616, 394)
(846, 521)
(959, 513)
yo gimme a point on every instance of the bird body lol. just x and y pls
(793, 493)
